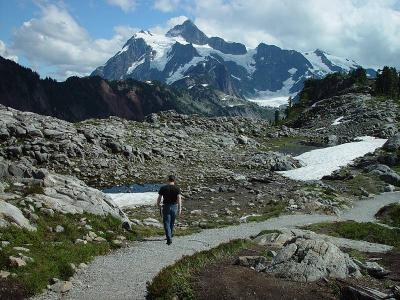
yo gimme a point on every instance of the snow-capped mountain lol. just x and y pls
(185, 57)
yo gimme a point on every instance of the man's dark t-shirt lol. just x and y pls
(169, 193)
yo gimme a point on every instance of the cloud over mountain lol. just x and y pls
(56, 40)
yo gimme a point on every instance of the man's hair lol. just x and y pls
(171, 178)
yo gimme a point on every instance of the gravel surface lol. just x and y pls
(124, 273)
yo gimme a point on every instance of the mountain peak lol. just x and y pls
(320, 52)
(190, 32)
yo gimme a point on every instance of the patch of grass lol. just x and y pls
(282, 142)
(396, 169)
(53, 252)
(372, 184)
(369, 232)
(390, 215)
(357, 255)
(33, 189)
(274, 210)
(175, 281)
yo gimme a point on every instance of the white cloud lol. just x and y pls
(162, 29)
(125, 5)
(166, 5)
(176, 21)
(4, 52)
(368, 30)
(57, 41)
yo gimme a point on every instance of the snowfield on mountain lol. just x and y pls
(185, 57)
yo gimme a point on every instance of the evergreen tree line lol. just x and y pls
(388, 82)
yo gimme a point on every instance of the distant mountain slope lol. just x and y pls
(186, 52)
(78, 99)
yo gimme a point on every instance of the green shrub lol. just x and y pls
(369, 232)
(390, 215)
(54, 252)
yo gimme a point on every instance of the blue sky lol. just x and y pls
(97, 16)
(60, 38)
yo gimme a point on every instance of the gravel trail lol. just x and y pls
(124, 273)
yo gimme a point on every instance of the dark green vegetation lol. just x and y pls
(317, 89)
(386, 85)
(369, 232)
(175, 280)
(53, 252)
(390, 215)
(274, 210)
(364, 182)
(78, 99)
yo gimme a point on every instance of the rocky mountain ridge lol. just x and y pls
(77, 99)
(185, 55)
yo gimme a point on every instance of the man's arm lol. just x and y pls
(180, 204)
(159, 200)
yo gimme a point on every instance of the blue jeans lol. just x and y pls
(169, 216)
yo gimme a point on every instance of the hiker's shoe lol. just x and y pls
(169, 242)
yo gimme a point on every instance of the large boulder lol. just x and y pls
(68, 194)
(307, 260)
(385, 173)
(393, 143)
(10, 214)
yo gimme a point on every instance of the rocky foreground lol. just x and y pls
(226, 166)
(228, 154)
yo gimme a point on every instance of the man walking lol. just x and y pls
(171, 205)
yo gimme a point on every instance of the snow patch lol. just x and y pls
(237, 78)
(322, 162)
(344, 63)
(135, 65)
(180, 72)
(277, 98)
(270, 101)
(337, 121)
(318, 66)
(134, 199)
(124, 49)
